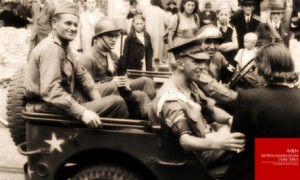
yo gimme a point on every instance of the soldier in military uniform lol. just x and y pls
(192, 116)
(217, 68)
(54, 77)
(110, 72)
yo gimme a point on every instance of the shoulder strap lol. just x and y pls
(178, 21)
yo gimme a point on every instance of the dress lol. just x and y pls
(155, 20)
(187, 28)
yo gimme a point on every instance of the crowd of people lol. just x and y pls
(198, 103)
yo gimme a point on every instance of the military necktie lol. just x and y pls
(110, 64)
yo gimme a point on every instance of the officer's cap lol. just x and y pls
(191, 49)
(65, 7)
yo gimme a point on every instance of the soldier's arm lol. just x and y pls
(229, 141)
(216, 90)
(50, 85)
(87, 82)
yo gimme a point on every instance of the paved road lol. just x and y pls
(11, 162)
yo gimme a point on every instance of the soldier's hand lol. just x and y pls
(232, 142)
(120, 81)
(91, 119)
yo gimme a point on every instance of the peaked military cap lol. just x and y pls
(191, 49)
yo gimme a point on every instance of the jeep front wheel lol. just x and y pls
(106, 172)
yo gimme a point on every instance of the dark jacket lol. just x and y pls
(264, 34)
(203, 16)
(134, 51)
(267, 112)
(238, 20)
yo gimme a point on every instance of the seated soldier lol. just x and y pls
(54, 76)
(217, 69)
(110, 72)
(192, 116)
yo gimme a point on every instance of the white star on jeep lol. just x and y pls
(55, 143)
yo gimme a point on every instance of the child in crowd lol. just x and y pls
(244, 56)
(138, 51)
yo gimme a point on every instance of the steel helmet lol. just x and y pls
(105, 25)
(209, 32)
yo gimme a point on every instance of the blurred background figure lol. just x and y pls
(208, 16)
(276, 29)
(243, 57)
(132, 12)
(229, 46)
(138, 53)
(42, 12)
(184, 25)
(156, 19)
(244, 20)
(87, 22)
(172, 7)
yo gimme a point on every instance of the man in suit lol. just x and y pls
(207, 16)
(244, 20)
(42, 12)
(265, 32)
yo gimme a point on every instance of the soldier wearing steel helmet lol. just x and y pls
(53, 76)
(193, 117)
(110, 74)
(217, 68)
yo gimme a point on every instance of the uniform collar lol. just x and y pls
(181, 83)
(57, 41)
(101, 50)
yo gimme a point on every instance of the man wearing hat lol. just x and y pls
(276, 29)
(42, 12)
(217, 69)
(110, 73)
(54, 80)
(207, 16)
(245, 21)
(172, 7)
(192, 116)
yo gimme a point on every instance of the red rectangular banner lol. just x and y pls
(277, 158)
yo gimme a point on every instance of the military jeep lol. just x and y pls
(60, 147)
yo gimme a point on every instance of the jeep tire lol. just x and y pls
(106, 171)
(15, 104)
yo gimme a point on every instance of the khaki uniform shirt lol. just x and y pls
(96, 63)
(53, 74)
(184, 118)
(210, 84)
